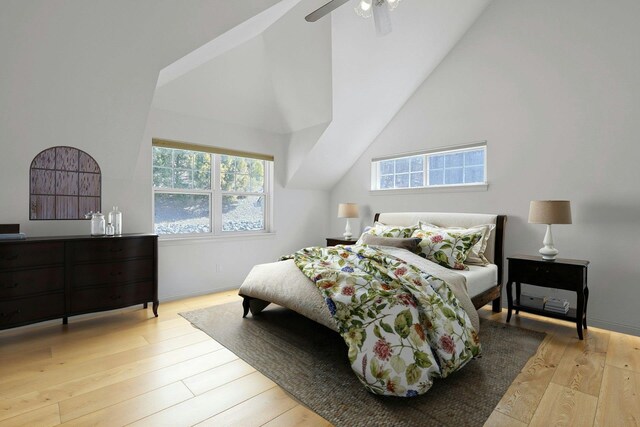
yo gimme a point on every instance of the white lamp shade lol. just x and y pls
(348, 210)
(550, 212)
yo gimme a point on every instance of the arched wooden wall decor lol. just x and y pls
(65, 183)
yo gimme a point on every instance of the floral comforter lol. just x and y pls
(403, 326)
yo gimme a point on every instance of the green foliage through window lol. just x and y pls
(187, 199)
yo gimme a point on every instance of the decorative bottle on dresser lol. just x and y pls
(115, 218)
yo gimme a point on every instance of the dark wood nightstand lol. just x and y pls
(567, 274)
(332, 241)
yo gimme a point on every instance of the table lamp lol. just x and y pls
(347, 210)
(549, 212)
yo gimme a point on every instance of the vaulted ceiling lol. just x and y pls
(332, 85)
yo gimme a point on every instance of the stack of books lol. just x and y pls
(556, 305)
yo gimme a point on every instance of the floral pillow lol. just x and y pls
(382, 230)
(447, 247)
(476, 254)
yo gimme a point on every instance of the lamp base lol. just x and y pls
(548, 253)
(347, 231)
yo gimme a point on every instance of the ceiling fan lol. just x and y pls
(365, 8)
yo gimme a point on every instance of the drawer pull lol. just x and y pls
(116, 250)
(116, 273)
(10, 257)
(15, 285)
(115, 297)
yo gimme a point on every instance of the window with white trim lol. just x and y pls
(451, 167)
(207, 192)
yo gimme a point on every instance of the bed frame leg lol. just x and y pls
(496, 305)
(245, 306)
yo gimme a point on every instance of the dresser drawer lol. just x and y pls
(112, 272)
(105, 298)
(19, 255)
(32, 309)
(559, 276)
(103, 249)
(26, 282)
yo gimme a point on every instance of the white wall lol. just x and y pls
(300, 216)
(83, 73)
(554, 88)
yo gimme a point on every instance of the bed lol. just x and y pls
(484, 284)
(457, 295)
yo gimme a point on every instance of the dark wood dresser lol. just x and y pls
(57, 277)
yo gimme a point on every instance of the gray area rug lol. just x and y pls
(310, 362)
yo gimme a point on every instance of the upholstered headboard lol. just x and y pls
(494, 252)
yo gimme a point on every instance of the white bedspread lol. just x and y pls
(284, 284)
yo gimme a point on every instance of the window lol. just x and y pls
(205, 190)
(458, 166)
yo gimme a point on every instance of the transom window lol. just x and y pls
(461, 166)
(209, 192)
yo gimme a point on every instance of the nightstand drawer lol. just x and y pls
(558, 276)
(334, 241)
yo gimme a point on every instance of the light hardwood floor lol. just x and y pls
(127, 367)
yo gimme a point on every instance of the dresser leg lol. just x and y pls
(65, 320)
(155, 308)
(145, 305)
(518, 289)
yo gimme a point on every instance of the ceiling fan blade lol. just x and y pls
(324, 10)
(381, 17)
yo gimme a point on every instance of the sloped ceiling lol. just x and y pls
(332, 85)
(278, 80)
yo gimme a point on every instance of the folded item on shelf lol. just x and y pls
(532, 301)
(13, 236)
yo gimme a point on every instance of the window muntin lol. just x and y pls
(197, 192)
(462, 166)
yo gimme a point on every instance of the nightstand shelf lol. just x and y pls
(333, 241)
(564, 274)
(571, 315)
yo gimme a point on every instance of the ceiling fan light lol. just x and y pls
(363, 8)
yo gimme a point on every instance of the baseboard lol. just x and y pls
(604, 324)
(197, 294)
(613, 326)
